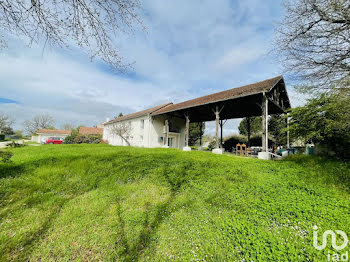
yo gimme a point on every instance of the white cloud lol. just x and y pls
(191, 48)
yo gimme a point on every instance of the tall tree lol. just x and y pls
(313, 41)
(325, 119)
(7, 131)
(5, 122)
(91, 25)
(255, 125)
(277, 129)
(195, 132)
(68, 126)
(38, 122)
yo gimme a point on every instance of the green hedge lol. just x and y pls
(79, 139)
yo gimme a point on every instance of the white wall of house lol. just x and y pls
(149, 131)
(42, 137)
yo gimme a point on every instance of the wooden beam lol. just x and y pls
(221, 127)
(187, 129)
(274, 102)
(166, 132)
(217, 118)
(287, 120)
(200, 133)
(248, 130)
(265, 113)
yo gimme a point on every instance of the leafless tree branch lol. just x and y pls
(313, 41)
(43, 121)
(90, 24)
(122, 129)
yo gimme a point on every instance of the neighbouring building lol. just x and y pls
(84, 130)
(42, 135)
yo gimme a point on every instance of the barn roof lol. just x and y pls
(53, 131)
(84, 130)
(237, 102)
(234, 103)
(138, 114)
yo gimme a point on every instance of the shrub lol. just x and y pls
(211, 145)
(76, 138)
(69, 139)
(5, 156)
(87, 139)
(79, 139)
(257, 141)
(95, 139)
(232, 141)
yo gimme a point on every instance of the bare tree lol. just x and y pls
(123, 130)
(43, 121)
(91, 25)
(313, 41)
(5, 122)
(68, 126)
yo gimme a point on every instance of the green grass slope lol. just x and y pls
(98, 202)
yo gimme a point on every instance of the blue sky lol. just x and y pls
(190, 49)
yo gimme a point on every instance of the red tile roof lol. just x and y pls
(138, 114)
(54, 131)
(246, 90)
(84, 130)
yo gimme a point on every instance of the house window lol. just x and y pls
(141, 137)
(142, 123)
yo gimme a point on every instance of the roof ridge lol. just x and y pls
(162, 106)
(45, 130)
(139, 113)
(239, 88)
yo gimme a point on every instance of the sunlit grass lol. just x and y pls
(98, 202)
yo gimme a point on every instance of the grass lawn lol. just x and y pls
(98, 202)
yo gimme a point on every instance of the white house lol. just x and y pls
(43, 134)
(143, 129)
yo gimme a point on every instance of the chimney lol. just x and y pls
(107, 119)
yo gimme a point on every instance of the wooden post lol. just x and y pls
(166, 132)
(287, 120)
(217, 118)
(200, 133)
(187, 129)
(248, 130)
(221, 127)
(265, 113)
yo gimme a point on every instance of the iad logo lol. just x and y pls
(334, 239)
(335, 256)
